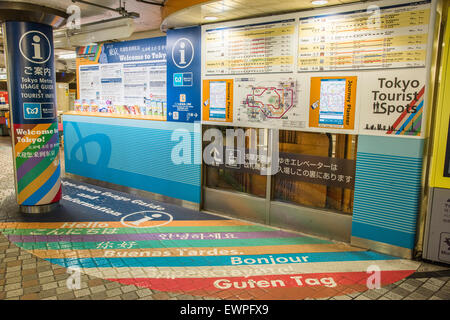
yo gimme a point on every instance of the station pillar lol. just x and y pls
(28, 40)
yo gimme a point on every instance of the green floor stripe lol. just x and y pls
(181, 229)
(168, 243)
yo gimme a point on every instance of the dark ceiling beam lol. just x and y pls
(161, 4)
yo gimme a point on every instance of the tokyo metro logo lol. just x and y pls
(35, 47)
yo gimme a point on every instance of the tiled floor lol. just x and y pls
(24, 276)
(35, 251)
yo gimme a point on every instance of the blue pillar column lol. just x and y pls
(32, 94)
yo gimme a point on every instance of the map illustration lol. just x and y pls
(268, 102)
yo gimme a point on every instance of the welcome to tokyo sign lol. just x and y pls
(153, 49)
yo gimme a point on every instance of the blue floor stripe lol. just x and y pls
(190, 261)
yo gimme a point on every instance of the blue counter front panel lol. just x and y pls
(133, 153)
(387, 189)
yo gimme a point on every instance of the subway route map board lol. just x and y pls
(254, 48)
(376, 37)
(268, 103)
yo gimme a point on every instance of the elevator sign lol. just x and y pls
(183, 74)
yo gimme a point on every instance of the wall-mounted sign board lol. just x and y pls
(279, 68)
(375, 37)
(126, 77)
(183, 75)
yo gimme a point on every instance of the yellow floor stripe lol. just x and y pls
(117, 224)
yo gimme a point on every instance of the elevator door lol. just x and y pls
(278, 200)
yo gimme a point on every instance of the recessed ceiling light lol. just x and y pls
(319, 2)
(210, 18)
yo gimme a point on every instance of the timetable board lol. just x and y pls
(376, 37)
(253, 48)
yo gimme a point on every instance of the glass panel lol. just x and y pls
(329, 194)
(234, 179)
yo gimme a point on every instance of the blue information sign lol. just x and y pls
(184, 74)
(31, 72)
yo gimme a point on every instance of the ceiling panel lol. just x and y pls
(150, 15)
(238, 9)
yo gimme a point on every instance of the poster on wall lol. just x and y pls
(126, 77)
(135, 81)
(92, 54)
(184, 74)
(157, 89)
(4, 97)
(437, 246)
(89, 81)
(394, 36)
(332, 102)
(217, 102)
(111, 79)
(265, 102)
(393, 103)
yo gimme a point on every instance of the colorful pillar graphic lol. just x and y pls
(34, 123)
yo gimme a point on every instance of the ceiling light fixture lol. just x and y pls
(319, 2)
(67, 56)
(99, 31)
(210, 18)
